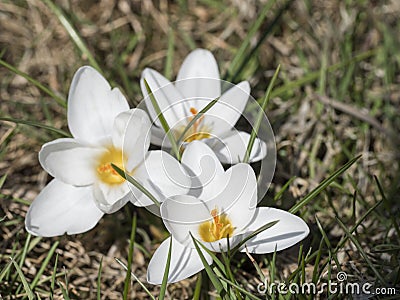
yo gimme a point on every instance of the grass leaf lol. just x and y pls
(28, 290)
(322, 186)
(127, 283)
(164, 283)
(132, 180)
(99, 279)
(36, 124)
(137, 279)
(213, 277)
(196, 117)
(58, 99)
(260, 115)
(73, 33)
(163, 122)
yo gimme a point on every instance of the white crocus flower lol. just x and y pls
(226, 206)
(197, 84)
(85, 185)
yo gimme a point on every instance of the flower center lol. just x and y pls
(197, 131)
(219, 227)
(105, 171)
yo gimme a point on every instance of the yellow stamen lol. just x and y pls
(105, 171)
(197, 131)
(218, 228)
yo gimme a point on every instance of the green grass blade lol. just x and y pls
(132, 180)
(44, 265)
(322, 186)
(260, 115)
(196, 117)
(361, 250)
(28, 290)
(260, 42)
(170, 54)
(253, 234)
(36, 124)
(241, 289)
(137, 279)
(72, 33)
(99, 279)
(240, 54)
(164, 283)
(64, 291)
(53, 278)
(25, 250)
(211, 275)
(127, 283)
(36, 83)
(197, 289)
(283, 189)
(216, 260)
(163, 121)
(2, 180)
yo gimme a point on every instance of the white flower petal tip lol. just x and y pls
(232, 148)
(93, 105)
(162, 175)
(202, 162)
(61, 208)
(185, 262)
(110, 199)
(287, 232)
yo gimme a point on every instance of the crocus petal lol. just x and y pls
(202, 162)
(227, 111)
(62, 208)
(288, 231)
(167, 96)
(132, 131)
(92, 105)
(235, 195)
(158, 137)
(70, 161)
(110, 198)
(185, 262)
(198, 77)
(232, 148)
(162, 175)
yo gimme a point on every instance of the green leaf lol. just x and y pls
(44, 264)
(240, 53)
(99, 279)
(53, 278)
(36, 83)
(163, 122)
(361, 250)
(196, 117)
(164, 283)
(241, 289)
(253, 234)
(135, 277)
(260, 115)
(213, 277)
(322, 186)
(73, 33)
(132, 180)
(28, 290)
(127, 283)
(36, 124)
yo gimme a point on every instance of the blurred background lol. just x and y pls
(337, 96)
